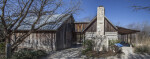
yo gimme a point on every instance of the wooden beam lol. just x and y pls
(127, 38)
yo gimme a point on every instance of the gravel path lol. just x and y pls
(71, 53)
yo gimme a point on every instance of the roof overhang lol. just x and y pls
(124, 31)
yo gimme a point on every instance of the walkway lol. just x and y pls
(71, 53)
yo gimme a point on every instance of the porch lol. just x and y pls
(128, 37)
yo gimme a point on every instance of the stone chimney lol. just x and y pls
(100, 20)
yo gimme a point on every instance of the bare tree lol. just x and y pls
(14, 12)
(141, 7)
(144, 34)
(1, 34)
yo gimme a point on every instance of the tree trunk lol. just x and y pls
(8, 48)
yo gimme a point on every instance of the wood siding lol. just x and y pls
(65, 35)
(49, 40)
(41, 41)
(92, 27)
(79, 27)
(109, 27)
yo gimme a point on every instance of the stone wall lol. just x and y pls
(112, 35)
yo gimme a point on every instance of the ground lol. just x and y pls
(75, 53)
(70, 53)
(129, 54)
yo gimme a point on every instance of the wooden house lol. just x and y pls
(61, 34)
(101, 30)
(78, 33)
(53, 36)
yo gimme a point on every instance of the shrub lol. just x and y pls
(84, 51)
(112, 42)
(88, 46)
(28, 54)
(142, 49)
(2, 47)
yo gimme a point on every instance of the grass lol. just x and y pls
(2, 47)
(100, 54)
(142, 49)
(28, 54)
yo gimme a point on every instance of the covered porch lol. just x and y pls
(128, 37)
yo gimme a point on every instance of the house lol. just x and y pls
(61, 33)
(78, 33)
(101, 30)
(53, 36)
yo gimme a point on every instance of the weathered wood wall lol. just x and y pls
(41, 41)
(92, 27)
(65, 35)
(79, 27)
(49, 40)
(109, 26)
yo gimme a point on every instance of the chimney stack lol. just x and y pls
(100, 20)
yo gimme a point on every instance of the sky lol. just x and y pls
(119, 12)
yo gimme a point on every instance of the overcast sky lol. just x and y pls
(119, 12)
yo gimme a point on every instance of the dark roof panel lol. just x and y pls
(54, 22)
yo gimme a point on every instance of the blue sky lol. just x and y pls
(119, 12)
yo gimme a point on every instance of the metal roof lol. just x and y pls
(54, 22)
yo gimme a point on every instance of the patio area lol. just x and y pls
(128, 37)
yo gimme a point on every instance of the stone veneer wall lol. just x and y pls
(101, 41)
(112, 35)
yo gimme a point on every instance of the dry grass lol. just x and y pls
(143, 46)
(100, 54)
(142, 42)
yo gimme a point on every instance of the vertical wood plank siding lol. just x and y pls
(41, 41)
(49, 40)
(109, 27)
(64, 35)
(92, 27)
(79, 27)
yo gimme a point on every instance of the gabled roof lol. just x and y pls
(90, 24)
(94, 19)
(54, 22)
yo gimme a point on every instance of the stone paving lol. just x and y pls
(71, 53)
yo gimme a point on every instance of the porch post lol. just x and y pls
(127, 38)
(136, 37)
(80, 37)
(130, 38)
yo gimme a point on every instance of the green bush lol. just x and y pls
(28, 54)
(84, 52)
(112, 42)
(88, 46)
(2, 47)
(142, 49)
